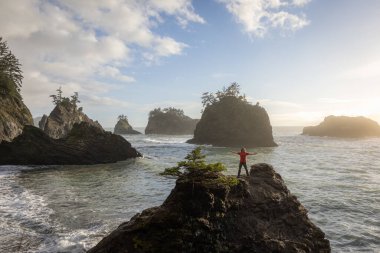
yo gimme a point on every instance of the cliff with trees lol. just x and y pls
(14, 114)
(170, 121)
(229, 120)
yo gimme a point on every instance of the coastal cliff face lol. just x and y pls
(170, 122)
(62, 119)
(232, 122)
(345, 127)
(205, 212)
(84, 144)
(14, 115)
(123, 127)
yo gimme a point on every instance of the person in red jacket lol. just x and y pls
(243, 159)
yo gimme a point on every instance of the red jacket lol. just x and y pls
(243, 156)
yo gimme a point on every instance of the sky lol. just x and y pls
(301, 59)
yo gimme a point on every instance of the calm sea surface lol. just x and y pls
(70, 208)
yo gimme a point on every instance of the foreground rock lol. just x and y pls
(206, 213)
(62, 119)
(232, 122)
(123, 127)
(85, 144)
(346, 127)
(14, 115)
(170, 121)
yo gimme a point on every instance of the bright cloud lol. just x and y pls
(258, 16)
(77, 44)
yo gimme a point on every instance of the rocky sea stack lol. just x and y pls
(344, 127)
(207, 212)
(170, 121)
(84, 144)
(62, 119)
(123, 126)
(233, 122)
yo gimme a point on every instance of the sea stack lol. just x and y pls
(170, 121)
(62, 119)
(123, 126)
(344, 127)
(230, 121)
(206, 213)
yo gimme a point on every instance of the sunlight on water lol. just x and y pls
(70, 208)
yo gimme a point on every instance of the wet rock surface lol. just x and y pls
(205, 212)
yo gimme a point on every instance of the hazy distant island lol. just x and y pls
(123, 127)
(230, 120)
(344, 127)
(210, 212)
(171, 121)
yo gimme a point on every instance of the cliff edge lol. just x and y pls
(208, 212)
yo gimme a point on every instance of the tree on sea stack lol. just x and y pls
(229, 120)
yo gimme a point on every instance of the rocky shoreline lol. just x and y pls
(84, 144)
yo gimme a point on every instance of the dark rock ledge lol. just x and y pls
(207, 212)
(84, 144)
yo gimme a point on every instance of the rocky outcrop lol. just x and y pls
(344, 127)
(232, 122)
(84, 144)
(14, 115)
(62, 119)
(205, 212)
(123, 127)
(170, 121)
(42, 122)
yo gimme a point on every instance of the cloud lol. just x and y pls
(258, 16)
(87, 45)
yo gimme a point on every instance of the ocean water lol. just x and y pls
(70, 208)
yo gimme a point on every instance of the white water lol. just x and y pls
(70, 208)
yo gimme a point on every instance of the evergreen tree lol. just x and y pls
(10, 66)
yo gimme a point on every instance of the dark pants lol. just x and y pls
(245, 167)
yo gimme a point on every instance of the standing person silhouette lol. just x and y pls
(243, 159)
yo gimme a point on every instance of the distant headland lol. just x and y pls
(344, 127)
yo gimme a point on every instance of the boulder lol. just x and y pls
(209, 212)
(84, 144)
(123, 127)
(14, 115)
(170, 121)
(232, 122)
(345, 127)
(62, 119)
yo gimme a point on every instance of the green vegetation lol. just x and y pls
(59, 99)
(122, 117)
(193, 161)
(208, 98)
(10, 72)
(170, 111)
